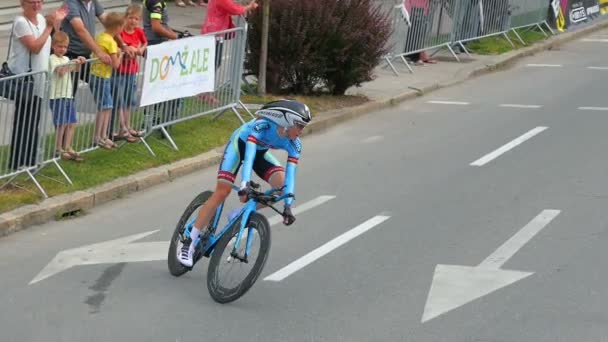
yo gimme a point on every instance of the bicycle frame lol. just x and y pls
(249, 208)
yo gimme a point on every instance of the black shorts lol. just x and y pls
(264, 163)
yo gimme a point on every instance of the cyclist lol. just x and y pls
(278, 126)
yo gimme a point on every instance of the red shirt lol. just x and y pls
(135, 39)
(219, 14)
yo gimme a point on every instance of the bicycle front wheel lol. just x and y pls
(229, 278)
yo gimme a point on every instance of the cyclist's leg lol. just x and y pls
(228, 168)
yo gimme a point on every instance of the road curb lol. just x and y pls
(72, 204)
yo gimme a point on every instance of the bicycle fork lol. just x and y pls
(239, 237)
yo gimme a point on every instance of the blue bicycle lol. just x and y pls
(231, 248)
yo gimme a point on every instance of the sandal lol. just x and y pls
(125, 136)
(71, 156)
(180, 3)
(137, 134)
(104, 145)
(130, 139)
(110, 143)
(75, 155)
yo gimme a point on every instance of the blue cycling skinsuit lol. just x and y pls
(249, 145)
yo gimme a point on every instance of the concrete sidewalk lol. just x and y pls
(386, 90)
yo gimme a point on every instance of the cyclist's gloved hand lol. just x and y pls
(288, 217)
(244, 192)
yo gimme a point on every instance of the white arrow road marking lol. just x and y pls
(326, 248)
(113, 251)
(454, 286)
(496, 153)
(122, 250)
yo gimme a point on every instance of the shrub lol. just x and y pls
(333, 44)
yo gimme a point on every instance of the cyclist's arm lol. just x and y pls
(250, 150)
(290, 178)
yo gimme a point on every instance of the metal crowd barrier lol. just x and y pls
(420, 25)
(33, 123)
(526, 13)
(21, 111)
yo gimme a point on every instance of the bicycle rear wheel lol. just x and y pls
(222, 265)
(177, 240)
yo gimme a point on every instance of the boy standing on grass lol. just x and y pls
(125, 79)
(61, 98)
(101, 75)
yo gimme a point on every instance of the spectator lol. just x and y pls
(30, 47)
(156, 22)
(417, 33)
(101, 74)
(219, 14)
(61, 100)
(125, 78)
(219, 18)
(79, 24)
(156, 27)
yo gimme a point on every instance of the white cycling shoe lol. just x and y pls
(186, 254)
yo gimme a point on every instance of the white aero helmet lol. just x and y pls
(286, 113)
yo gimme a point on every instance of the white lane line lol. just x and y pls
(372, 139)
(545, 65)
(595, 40)
(510, 105)
(493, 155)
(302, 208)
(593, 108)
(326, 248)
(449, 102)
(597, 68)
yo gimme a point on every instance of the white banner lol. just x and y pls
(179, 68)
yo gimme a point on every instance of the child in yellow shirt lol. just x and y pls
(101, 75)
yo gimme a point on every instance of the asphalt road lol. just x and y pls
(502, 177)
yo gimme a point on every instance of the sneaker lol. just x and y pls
(185, 256)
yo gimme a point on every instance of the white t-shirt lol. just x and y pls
(19, 57)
